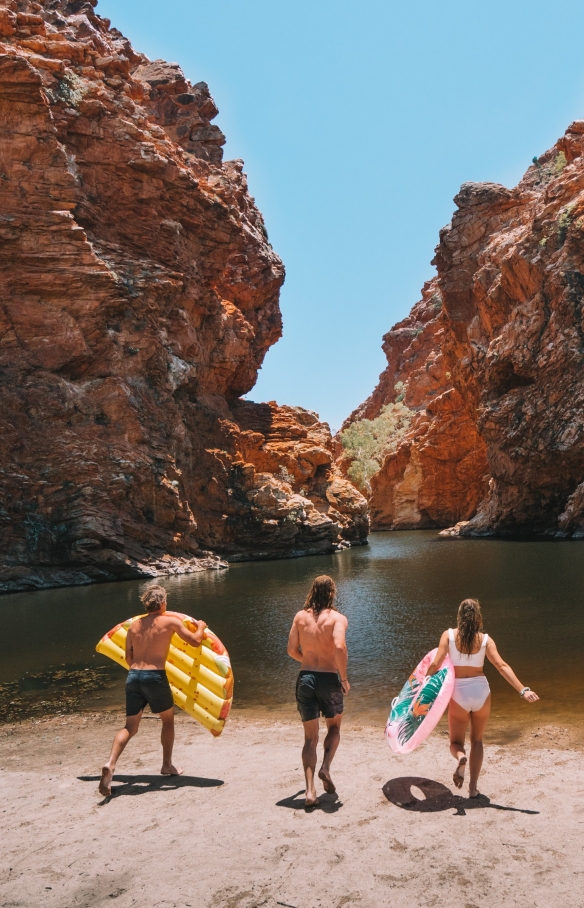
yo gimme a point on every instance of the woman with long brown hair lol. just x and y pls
(467, 647)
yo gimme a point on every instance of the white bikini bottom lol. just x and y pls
(471, 693)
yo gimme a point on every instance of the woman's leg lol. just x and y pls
(478, 723)
(458, 719)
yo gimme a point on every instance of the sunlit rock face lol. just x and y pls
(139, 295)
(511, 268)
(510, 338)
(432, 474)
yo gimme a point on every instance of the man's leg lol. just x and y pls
(309, 759)
(331, 742)
(167, 741)
(120, 741)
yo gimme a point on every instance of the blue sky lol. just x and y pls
(357, 122)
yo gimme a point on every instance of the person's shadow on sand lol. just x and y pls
(144, 784)
(329, 803)
(436, 797)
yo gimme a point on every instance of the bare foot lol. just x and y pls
(476, 794)
(326, 780)
(171, 770)
(311, 803)
(105, 783)
(458, 777)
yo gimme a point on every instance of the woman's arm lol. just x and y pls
(440, 655)
(507, 672)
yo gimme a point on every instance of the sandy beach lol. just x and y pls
(232, 830)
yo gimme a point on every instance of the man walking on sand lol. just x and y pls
(317, 641)
(147, 646)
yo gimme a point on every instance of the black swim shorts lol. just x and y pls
(147, 686)
(318, 692)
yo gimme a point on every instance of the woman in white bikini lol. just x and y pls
(467, 647)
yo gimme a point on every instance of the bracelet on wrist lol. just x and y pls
(524, 691)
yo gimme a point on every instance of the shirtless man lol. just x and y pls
(147, 646)
(317, 641)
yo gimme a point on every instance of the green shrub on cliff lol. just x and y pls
(564, 222)
(70, 89)
(552, 169)
(368, 441)
(560, 162)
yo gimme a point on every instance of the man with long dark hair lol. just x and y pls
(317, 641)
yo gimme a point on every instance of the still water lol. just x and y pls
(399, 593)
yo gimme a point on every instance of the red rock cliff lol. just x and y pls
(139, 295)
(510, 338)
(432, 473)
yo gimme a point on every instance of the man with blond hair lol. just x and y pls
(147, 645)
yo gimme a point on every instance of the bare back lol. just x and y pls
(148, 640)
(319, 638)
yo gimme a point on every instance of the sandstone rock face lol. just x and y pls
(139, 295)
(284, 492)
(511, 268)
(510, 338)
(436, 474)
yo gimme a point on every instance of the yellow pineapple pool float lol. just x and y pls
(200, 677)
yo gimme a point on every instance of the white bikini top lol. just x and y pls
(475, 660)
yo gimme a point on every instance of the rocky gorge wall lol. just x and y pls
(491, 366)
(138, 297)
(432, 472)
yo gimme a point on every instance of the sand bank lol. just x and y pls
(231, 832)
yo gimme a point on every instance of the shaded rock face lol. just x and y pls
(138, 297)
(436, 475)
(509, 340)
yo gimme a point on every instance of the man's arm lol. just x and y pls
(294, 649)
(195, 639)
(129, 648)
(341, 654)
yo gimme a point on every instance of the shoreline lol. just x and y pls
(41, 578)
(232, 832)
(530, 735)
(162, 567)
(560, 730)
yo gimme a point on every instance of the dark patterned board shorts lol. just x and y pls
(318, 692)
(147, 686)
